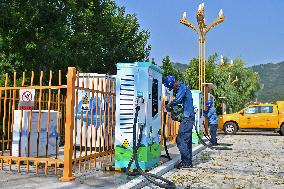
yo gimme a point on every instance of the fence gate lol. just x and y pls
(91, 136)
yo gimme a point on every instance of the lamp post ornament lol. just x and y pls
(201, 31)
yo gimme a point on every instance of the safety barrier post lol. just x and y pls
(69, 126)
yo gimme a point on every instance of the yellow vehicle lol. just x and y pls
(255, 116)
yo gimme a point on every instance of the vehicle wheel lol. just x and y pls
(230, 128)
(282, 130)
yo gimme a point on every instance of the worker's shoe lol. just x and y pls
(182, 164)
(215, 144)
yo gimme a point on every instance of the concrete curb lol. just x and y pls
(161, 170)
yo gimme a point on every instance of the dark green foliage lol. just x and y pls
(48, 35)
(169, 69)
(272, 79)
(190, 74)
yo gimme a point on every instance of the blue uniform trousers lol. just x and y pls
(213, 133)
(184, 139)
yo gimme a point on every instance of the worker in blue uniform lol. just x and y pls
(212, 117)
(184, 137)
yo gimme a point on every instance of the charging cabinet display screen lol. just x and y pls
(155, 97)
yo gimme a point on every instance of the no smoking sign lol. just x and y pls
(27, 99)
(27, 96)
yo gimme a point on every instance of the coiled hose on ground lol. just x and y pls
(149, 176)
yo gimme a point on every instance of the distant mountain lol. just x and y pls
(272, 80)
(179, 66)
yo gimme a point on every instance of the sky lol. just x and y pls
(253, 29)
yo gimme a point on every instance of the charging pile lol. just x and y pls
(138, 116)
(143, 80)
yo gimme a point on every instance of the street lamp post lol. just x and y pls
(202, 30)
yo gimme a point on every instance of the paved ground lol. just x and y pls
(256, 161)
(90, 179)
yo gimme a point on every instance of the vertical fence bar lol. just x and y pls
(9, 144)
(97, 140)
(81, 124)
(23, 84)
(39, 113)
(95, 136)
(108, 117)
(103, 102)
(21, 128)
(91, 86)
(86, 123)
(112, 116)
(81, 139)
(76, 118)
(4, 119)
(39, 117)
(62, 126)
(9, 121)
(68, 146)
(104, 105)
(96, 125)
(12, 127)
(48, 121)
(101, 126)
(30, 125)
(60, 119)
(86, 137)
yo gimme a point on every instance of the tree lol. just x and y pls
(48, 35)
(191, 74)
(169, 69)
(102, 35)
(33, 35)
(235, 82)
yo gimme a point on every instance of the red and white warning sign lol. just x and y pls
(27, 99)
